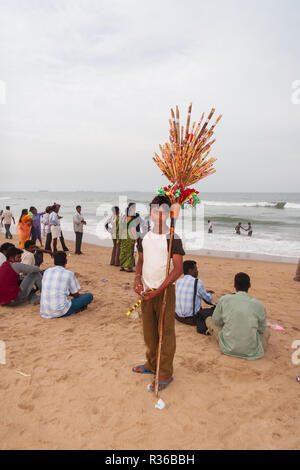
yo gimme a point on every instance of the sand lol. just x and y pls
(80, 392)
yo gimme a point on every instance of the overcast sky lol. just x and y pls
(89, 87)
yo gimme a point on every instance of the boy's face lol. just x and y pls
(158, 213)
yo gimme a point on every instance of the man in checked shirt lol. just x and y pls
(185, 294)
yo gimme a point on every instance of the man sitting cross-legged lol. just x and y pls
(185, 291)
(13, 288)
(239, 322)
(57, 285)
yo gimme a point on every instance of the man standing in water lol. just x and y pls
(238, 228)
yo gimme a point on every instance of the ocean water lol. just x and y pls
(275, 218)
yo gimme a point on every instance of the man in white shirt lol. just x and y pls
(7, 217)
(55, 226)
(32, 255)
(57, 285)
(78, 223)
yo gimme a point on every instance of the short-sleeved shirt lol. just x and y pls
(58, 283)
(7, 216)
(28, 258)
(155, 247)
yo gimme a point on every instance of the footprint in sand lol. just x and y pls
(26, 406)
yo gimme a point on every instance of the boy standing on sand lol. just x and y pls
(150, 274)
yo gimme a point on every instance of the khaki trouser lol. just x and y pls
(151, 312)
(297, 278)
(214, 330)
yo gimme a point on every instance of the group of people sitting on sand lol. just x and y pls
(21, 279)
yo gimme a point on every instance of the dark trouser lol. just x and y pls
(62, 241)
(78, 242)
(186, 320)
(115, 256)
(151, 313)
(78, 303)
(48, 241)
(7, 231)
(27, 285)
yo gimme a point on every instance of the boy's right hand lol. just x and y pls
(138, 285)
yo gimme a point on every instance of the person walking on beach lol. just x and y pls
(7, 217)
(113, 227)
(150, 274)
(57, 285)
(239, 322)
(210, 227)
(78, 223)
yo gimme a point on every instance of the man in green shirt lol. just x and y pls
(239, 322)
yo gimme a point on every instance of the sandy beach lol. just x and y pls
(68, 384)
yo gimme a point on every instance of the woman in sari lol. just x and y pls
(24, 227)
(128, 239)
(113, 227)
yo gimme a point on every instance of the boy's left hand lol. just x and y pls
(150, 294)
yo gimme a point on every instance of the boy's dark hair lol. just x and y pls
(187, 265)
(60, 258)
(28, 243)
(31, 208)
(13, 251)
(5, 246)
(160, 200)
(7, 208)
(242, 282)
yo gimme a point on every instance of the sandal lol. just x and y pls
(144, 370)
(161, 385)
